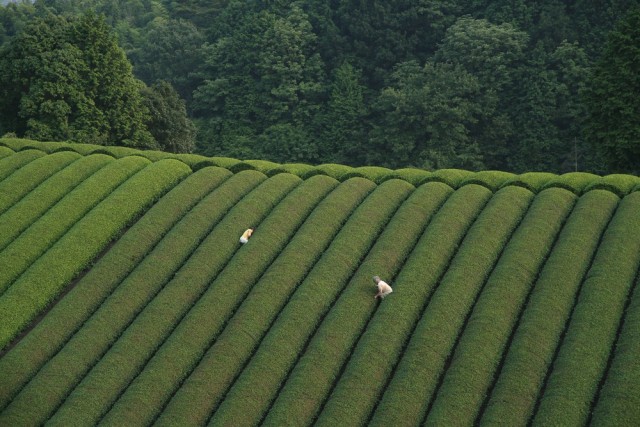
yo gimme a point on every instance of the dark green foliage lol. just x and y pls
(168, 122)
(613, 128)
(426, 115)
(492, 85)
(69, 80)
(171, 51)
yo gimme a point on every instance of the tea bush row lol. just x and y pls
(245, 330)
(197, 331)
(538, 335)
(316, 372)
(48, 229)
(418, 371)
(51, 386)
(25, 179)
(478, 354)
(47, 277)
(65, 319)
(278, 351)
(371, 364)
(587, 345)
(152, 326)
(24, 213)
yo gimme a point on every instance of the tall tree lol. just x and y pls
(490, 53)
(379, 34)
(170, 50)
(266, 73)
(168, 121)
(613, 98)
(68, 79)
(342, 129)
(425, 118)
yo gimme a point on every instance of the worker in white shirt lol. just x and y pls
(245, 236)
(383, 287)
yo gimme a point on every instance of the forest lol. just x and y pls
(509, 85)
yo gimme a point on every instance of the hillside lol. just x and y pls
(126, 298)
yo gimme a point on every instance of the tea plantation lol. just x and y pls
(126, 298)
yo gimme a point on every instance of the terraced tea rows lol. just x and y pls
(126, 298)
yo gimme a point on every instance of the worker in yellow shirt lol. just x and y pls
(246, 235)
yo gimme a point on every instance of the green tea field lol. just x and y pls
(126, 298)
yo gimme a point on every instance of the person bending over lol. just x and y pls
(383, 287)
(246, 235)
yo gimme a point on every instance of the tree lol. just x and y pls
(170, 50)
(612, 98)
(425, 118)
(342, 129)
(491, 53)
(265, 73)
(168, 122)
(68, 79)
(378, 34)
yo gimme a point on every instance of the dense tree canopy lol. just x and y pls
(68, 79)
(613, 98)
(510, 85)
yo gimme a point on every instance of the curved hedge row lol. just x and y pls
(44, 280)
(67, 317)
(515, 296)
(25, 179)
(24, 213)
(478, 353)
(534, 344)
(332, 346)
(48, 229)
(237, 342)
(62, 373)
(5, 151)
(12, 163)
(576, 182)
(587, 345)
(310, 302)
(152, 326)
(369, 368)
(434, 336)
(189, 342)
(314, 373)
(619, 400)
